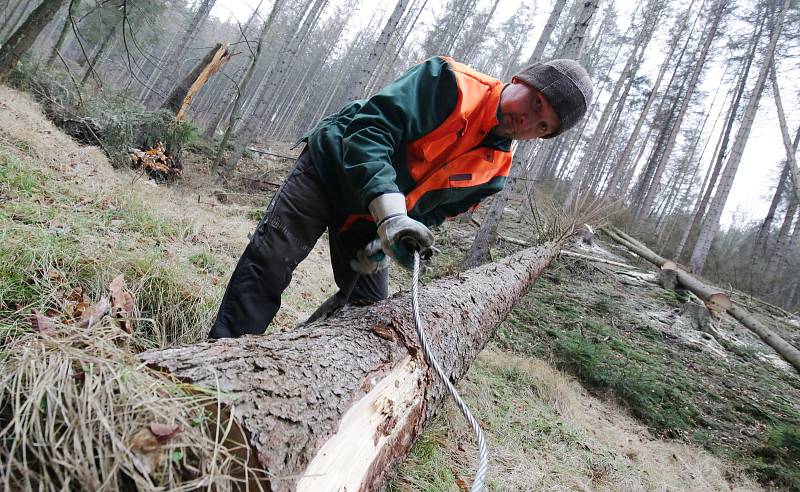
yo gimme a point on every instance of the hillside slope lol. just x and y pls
(544, 429)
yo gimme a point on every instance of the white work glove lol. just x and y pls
(399, 234)
(370, 259)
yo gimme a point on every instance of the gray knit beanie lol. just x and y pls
(565, 85)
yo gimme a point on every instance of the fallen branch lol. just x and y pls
(709, 294)
(259, 151)
(595, 259)
(508, 239)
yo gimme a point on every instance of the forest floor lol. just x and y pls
(595, 382)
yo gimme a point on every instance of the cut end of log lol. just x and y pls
(381, 420)
(669, 265)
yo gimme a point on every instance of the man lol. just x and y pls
(430, 145)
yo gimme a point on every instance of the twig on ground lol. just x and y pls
(595, 259)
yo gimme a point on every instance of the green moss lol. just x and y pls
(776, 459)
(48, 247)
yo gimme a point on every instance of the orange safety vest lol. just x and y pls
(449, 156)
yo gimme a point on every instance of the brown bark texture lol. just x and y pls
(300, 395)
(788, 351)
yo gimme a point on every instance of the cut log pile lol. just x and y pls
(716, 299)
(336, 404)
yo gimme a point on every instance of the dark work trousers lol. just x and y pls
(295, 219)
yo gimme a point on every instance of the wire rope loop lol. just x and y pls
(483, 450)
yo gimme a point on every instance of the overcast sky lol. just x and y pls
(757, 173)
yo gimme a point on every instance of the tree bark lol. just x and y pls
(544, 38)
(335, 405)
(176, 58)
(573, 47)
(788, 351)
(23, 38)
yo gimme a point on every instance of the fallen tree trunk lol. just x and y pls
(706, 293)
(336, 404)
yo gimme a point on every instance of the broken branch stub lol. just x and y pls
(338, 403)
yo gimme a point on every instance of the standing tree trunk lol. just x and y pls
(176, 57)
(97, 55)
(594, 147)
(654, 185)
(711, 223)
(13, 18)
(613, 188)
(703, 199)
(790, 148)
(778, 259)
(544, 38)
(487, 233)
(573, 47)
(73, 7)
(237, 103)
(221, 100)
(377, 51)
(23, 38)
(336, 404)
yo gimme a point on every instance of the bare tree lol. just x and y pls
(365, 72)
(23, 38)
(711, 222)
(708, 38)
(237, 104)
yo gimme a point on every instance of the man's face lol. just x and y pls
(524, 113)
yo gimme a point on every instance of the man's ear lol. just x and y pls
(514, 80)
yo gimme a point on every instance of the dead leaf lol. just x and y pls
(78, 294)
(164, 432)
(77, 310)
(95, 312)
(55, 276)
(122, 303)
(146, 449)
(42, 323)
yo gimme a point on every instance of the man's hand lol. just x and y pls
(399, 234)
(370, 258)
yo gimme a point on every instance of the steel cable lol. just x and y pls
(483, 450)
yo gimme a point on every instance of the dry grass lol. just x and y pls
(545, 432)
(80, 412)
